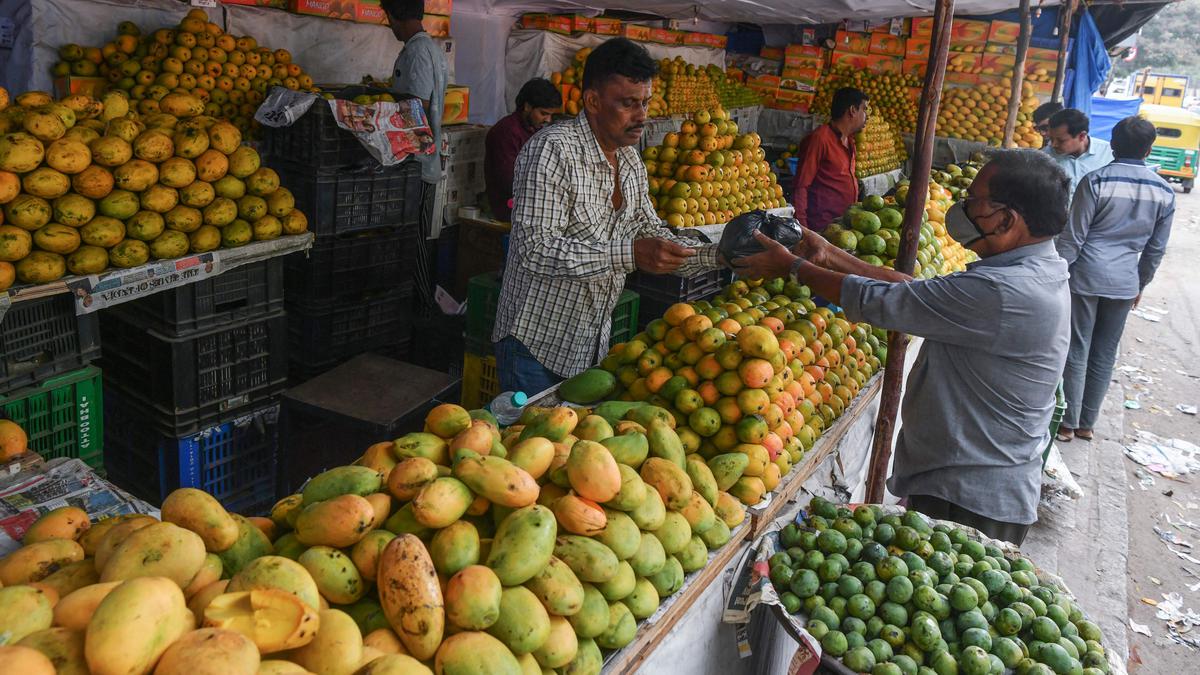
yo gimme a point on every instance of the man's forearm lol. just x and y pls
(844, 262)
(824, 282)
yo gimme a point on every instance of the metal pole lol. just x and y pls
(1018, 79)
(1067, 13)
(914, 210)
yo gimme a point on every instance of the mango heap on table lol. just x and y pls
(458, 549)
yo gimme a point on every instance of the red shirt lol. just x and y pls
(504, 142)
(825, 182)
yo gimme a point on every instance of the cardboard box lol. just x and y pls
(886, 44)
(550, 22)
(467, 143)
(580, 23)
(635, 31)
(856, 43)
(914, 67)
(994, 64)
(456, 106)
(803, 51)
(993, 80)
(916, 48)
(705, 40)
(737, 74)
(603, 25)
(773, 53)
(437, 26)
(442, 7)
(277, 4)
(922, 27)
(665, 36)
(966, 79)
(1047, 55)
(804, 63)
(1004, 32)
(964, 62)
(73, 84)
(791, 84)
(969, 32)
(1042, 89)
(794, 95)
(765, 81)
(996, 48)
(330, 9)
(808, 76)
(878, 63)
(370, 11)
(849, 60)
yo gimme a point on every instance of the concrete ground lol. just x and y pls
(1104, 545)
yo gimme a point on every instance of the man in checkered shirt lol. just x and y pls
(576, 234)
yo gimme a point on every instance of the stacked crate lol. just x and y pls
(193, 377)
(660, 291)
(353, 292)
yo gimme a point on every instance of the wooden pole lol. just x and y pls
(1067, 13)
(914, 210)
(1018, 80)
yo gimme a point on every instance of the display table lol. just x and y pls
(950, 150)
(880, 183)
(781, 128)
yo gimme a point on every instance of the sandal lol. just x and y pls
(1064, 435)
(1084, 434)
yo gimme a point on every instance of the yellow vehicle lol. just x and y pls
(1160, 88)
(1178, 145)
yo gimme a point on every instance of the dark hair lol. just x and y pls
(844, 99)
(1031, 183)
(1133, 137)
(1046, 110)
(404, 10)
(1074, 120)
(618, 56)
(539, 93)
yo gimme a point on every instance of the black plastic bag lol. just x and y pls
(737, 241)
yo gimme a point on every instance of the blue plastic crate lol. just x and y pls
(235, 461)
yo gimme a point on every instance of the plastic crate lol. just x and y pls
(245, 292)
(356, 200)
(317, 141)
(193, 382)
(483, 294)
(480, 380)
(235, 460)
(679, 289)
(356, 263)
(43, 338)
(322, 335)
(63, 416)
(300, 372)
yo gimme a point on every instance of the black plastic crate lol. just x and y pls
(354, 263)
(236, 460)
(300, 372)
(680, 289)
(321, 335)
(356, 200)
(190, 383)
(245, 292)
(42, 338)
(316, 140)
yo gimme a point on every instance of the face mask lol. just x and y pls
(960, 226)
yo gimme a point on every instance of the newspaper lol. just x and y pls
(43, 487)
(95, 292)
(391, 131)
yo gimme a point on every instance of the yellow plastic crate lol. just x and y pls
(480, 382)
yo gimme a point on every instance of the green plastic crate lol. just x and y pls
(483, 294)
(63, 416)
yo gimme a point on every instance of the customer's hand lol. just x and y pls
(815, 248)
(659, 256)
(1137, 301)
(775, 261)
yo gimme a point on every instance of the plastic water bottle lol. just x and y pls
(507, 407)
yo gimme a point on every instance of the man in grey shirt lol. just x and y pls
(978, 401)
(1120, 224)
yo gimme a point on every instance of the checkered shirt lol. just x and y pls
(570, 250)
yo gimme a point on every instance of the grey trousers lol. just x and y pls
(936, 507)
(1096, 327)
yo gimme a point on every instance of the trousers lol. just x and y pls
(1096, 328)
(519, 370)
(935, 507)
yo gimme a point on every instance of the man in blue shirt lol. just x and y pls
(1118, 232)
(1076, 150)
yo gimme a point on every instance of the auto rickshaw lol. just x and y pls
(1177, 150)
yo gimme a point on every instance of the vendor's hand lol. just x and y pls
(814, 248)
(775, 261)
(1137, 301)
(659, 256)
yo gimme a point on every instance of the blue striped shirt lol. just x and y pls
(1117, 235)
(1098, 154)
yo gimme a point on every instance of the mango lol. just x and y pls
(370, 617)
(66, 522)
(381, 507)
(645, 414)
(277, 572)
(615, 411)
(674, 534)
(335, 574)
(748, 489)
(288, 546)
(23, 610)
(278, 667)
(650, 556)
(411, 595)
(383, 639)
(20, 152)
(454, 548)
(621, 585)
(272, 619)
(336, 648)
(404, 522)
(496, 479)
(523, 624)
(209, 572)
(475, 653)
(473, 598)
(477, 438)
(447, 420)
(693, 556)
(650, 513)
(159, 550)
(365, 554)
(593, 472)
(338, 522)
(669, 479)
(251, 543)
(703, 480)
(71, 577)
(409, 476)
(534, 455)
(134, 624)
(622, 628)
(25, 660)
(442, 502)
(593, 428)
(210, 651)
(643, 601)
(423, 444)
(633, 490)
(728, 468)
(392, 664)
(379, 457)
(593, 384)
(664, 442)
(62, 646)
(669, 579)
(698, 513)
(554, 425)
(729, 509)
(37, 561)
(74, 610)
(558, 588)
(589, 559)
(621, 535)
(342, 480)
(588, 659)
(560, 647)
(716, 536)
(204, 597)
(592, 617)
(523, 545)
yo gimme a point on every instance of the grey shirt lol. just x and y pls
(979, 398)
(421, 71)
(1120, 223)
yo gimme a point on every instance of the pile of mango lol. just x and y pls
(459, 549)
(230, 75)
(751, 379)
(88, 183)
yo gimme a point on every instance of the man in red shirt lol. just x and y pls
(536, 103)
(825, 182)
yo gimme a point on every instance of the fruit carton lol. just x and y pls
(794, 95)
(803, 63)
(550, 22)
(457, 105)
(808, 76)
(581, 24)
(997, 48)
(964, 62)
(330, 9)
(603, 25)
(803, 51)
(278, 4)
(922, 27)
(735, 74)
(969, 32)
(791, 84)
(1004, 32)
(765, 81)
(966, 79)
(887, 44)
(857, 43)
(877, 63)
(997, 63)
(773, 53)
(370, 11)
(850, 60)
(992, 79)
(916, 48)
(1042, 89)
(437, 26)
(73, 84)
(914, 67)
(441, 7)
(1039, 54)
(636, 32)
(662, 36)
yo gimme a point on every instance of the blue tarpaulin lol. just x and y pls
(1106, 112)
(1090, 65)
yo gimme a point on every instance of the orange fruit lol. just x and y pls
(13, 440)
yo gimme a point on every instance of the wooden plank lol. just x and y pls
(650, 635)
(1018, 79)
(825, 446)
